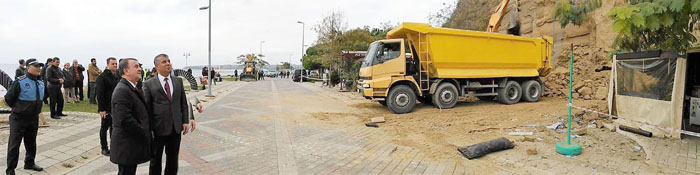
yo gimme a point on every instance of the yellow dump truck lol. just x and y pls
(436, 66)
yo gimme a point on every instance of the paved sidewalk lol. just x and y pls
(681, 155)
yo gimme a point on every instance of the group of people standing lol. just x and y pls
(144, 118)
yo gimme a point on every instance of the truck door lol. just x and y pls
(387, 62)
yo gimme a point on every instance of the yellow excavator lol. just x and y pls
(497, 16)
(249, 73)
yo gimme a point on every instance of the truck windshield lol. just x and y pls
(371, 54)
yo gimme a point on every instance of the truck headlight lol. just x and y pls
(366, 85)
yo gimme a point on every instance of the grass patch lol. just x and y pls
(229, 78)
(83, 106)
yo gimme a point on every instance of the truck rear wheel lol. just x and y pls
(445, 96)
(401, 99)
(510, 94)
(532, 91)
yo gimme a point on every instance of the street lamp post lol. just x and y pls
(187, 55)
(261, 42)
(302, 50)
(209, 77)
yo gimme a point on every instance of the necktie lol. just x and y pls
(167, 88)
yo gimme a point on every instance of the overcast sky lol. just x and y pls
(80, 29)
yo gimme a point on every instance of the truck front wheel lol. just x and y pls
(532, 91)
(445, 96)
(401, 99)
(510, 94)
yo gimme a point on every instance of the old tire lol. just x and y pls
(383, 103)
(510, 94)
(532, 91)
(401, 99)
(426, 100)
(445, 96)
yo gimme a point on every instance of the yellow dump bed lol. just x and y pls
(457, 53)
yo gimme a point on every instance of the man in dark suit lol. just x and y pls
(104, 86)
(167, 103)
(131, 139)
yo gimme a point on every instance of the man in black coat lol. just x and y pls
(131, 139)
(20, 70)
(54, 76)
(77, 70)
(167, 103)
(49, 61)
(104, 86)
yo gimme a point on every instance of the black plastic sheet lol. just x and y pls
(647, 78)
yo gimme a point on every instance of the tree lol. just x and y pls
(574, 11)
(257, 58)
(655, 24)
(443, 15)
(286, 65)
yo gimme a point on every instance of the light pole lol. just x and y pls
(302, 50)
(261, 42)
(187, 55)
(209, 77)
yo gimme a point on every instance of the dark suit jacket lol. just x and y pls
(168, 115)
(131, 135)
(104, 86)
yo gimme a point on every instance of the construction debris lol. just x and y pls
(580, 132)
(372, 124)
(483, 148)
(636, 131)
(610, 127)
(377, 120)
(532, 151)
(555, 126)
(520, 133)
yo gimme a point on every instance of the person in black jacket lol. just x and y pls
(131, 139)
(24, 97)
(68, 85)
(20, 70)
(43, 78)
(77, 70)
(55, 78)
(104, 87)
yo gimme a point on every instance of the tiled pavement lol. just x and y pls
(682, 155)
(251, 128)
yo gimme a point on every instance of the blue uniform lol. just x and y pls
(25, 98)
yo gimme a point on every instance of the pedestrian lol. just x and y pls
(55, 78)
(20, 70)
(24, 97)
(68, 85)
(93, 73)
(131, 142)
(213, 76)
(78, 70)
(49, 61)
(205, 77)
(104, 86)
(235, 73)
(165, 99)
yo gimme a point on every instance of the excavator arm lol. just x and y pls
(497, 16)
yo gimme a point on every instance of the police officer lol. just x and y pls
(25, 98)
